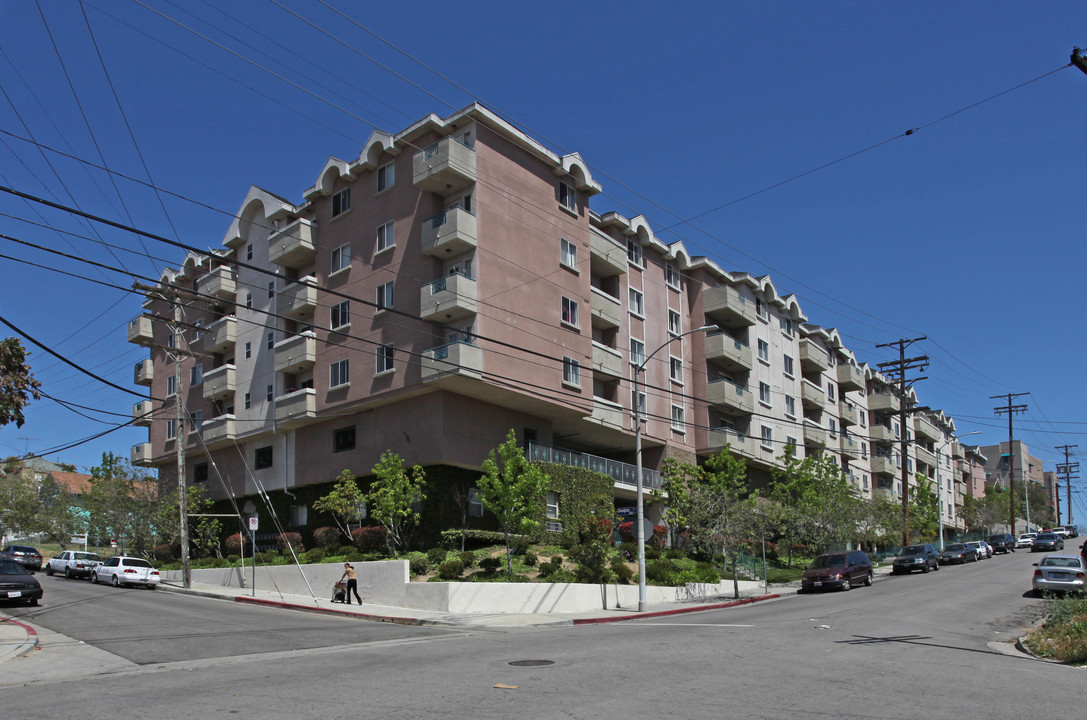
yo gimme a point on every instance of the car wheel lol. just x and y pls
(49, 570)
(868, 579)
(152, 587)
(115, 582)
(936, 566)
(32, 602)
(846, 584)
(94, 577)
(67, 573)
(925, 568)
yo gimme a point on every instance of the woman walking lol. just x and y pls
(352, 583)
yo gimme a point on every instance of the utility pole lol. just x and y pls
(1011, 410)
(1070, 470)
(900, 366)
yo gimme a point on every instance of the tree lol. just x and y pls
(924, 509)
(513, 489)
(820, 505)
(122, 504)
(19, 502)
(986, 512)
(344, 502)
(203, 531)
(1041, 513)
(393, 497)
(17, 384)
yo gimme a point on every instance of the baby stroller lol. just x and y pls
(339, 592)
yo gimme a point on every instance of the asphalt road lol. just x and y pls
(922, 646)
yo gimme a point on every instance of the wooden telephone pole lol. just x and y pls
(900, 366)
(1011, 410)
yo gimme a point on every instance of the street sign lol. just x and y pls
(626, 511)
(253, 524)
(76, 539)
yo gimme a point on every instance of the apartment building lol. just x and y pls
(1002, 466)
(452, 283)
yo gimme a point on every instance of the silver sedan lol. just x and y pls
(1060, 573)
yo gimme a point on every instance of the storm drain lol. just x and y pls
(531, 663)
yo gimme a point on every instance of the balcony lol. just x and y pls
(925, 456)
(727, 307)
(850, 448)
(605, 309)
(141, 454)
(221, 283)
(815, 435)
(296, 353)
(140, 330)
(606, 258)
(449, 233)
(295, 246)
(882, 433)
(144, 372)
(727, 395)
(448, 298)
(446, 167)
(957, 451)
(219, 431)
(812, 396)
(607, 363)
(728, 352)
(608, 414)
(296, 408)
(850, 377)
(220, 382)
(884, 493)
(812, 357)
(622, 473)
(740, 444)
(221, 336)
(848, 412)
(298, 300)
(926, 430)
(882, 465)
(883, 402)
(455, 359)
(141, 413)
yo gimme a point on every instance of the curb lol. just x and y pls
(676, 611)
(31, 642)
(331, 611)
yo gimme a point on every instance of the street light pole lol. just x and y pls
(640, 515)
(940, 482)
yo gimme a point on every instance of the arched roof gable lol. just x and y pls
(257, 202)
(333, 170)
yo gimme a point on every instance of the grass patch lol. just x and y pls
(1063, 635)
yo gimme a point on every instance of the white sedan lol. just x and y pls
(1025, 540)
(122, 570)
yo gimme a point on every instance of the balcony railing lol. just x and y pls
(299, 299)
(296, 407)
(140, 330)
(221, 282)
(449, 233)
(296, 353)
(848, 412)
(739, 443)
(728, 352)
(605, 308)
(811, 395)
(220, 381)
(446, 167)
(621, 472)
(606, 361)
(812, 357)
(144, 372)
(449, 298)
(141, 413)
(141, 454)
(883, 402)
(730, 396)
(218, 430)
(221, 335)
(726, 306)
(850, 377)
(460, 358)
(606, 258)
(295, 246)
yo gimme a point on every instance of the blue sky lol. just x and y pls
(969, 230)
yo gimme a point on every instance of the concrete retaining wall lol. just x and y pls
(386, 582)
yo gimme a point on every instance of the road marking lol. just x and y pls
(721, 625)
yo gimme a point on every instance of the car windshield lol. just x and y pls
(828, 561)
(957, 547)
(1067, 562)
(1046, 536)
(913, 550)
(10, 567)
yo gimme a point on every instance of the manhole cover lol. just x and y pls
(531, 663)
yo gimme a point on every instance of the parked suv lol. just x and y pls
(838, 569)
(916, 557)
(1002, 543)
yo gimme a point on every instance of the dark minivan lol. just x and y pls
(1002, 543)
(842, 569)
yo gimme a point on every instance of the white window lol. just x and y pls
(637, 303)
(386, 177)
(385, 358)
(634, 252)
(171, 341)
(675, 369)
(338, 374)
(764, 393)
(637, 352)
(567, 196)
(864, 449)
(764, 351)
(475, 503)
(341, 258)
(767, 437)
(341, 202)
(832, 426)
(171, 428)
(299, 515)
(674, 322)
(341, 314)
(671, 275)
(787, 326)
(171, 384)
(788, 362)
(677, 419)
(760, 308)
(196, 420)
(571, 372)
(568, 253)
(637, 402)
(569, 311)
(830, 391)
(864, 479)
(385, 295)
(386, 236)
(553, 505)
(790, 406)
(196, 375)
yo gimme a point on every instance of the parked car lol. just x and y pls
(1047, 541)
(957, 553)
(1060, 573)
(1060, 530)
(838, 569)
(1073, 531)
(1002, 542)
(123, 570)
(18, 583)
(72, 563)
(916, 557)
(25, 555)
(1025, 540)
(976, 546)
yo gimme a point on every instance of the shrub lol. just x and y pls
(520, 547)
(562, 575)
(164, 553)
(314, 555)
(628, 551)
(345, 550)
(531, 559)
(235, 544)
(556, 560)
(327, 537)
(490, 564)
(660, 572)
(547, 569)
(476, 538)
(658, 540)
(435, 556)
(232, 559)
(674, 554)
(652, 553)
(354, 556)
(286, 541)
(468, 558)
(622, 571)
(450, 570)
(370, 538)
(419, 566)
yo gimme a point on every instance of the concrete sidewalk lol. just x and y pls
(16, 638)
